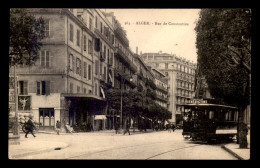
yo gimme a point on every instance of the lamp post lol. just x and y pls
(121, 98)
(16, 125)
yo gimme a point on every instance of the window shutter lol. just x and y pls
(47, 87)
(25, 87)
(38, 88)
(42, 58)
(89, 72)
(47, 59)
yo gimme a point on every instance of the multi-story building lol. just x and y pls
(124, 67)
(63, 84)
(181, 77)
(161, 87)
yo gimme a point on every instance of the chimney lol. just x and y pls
(140, 52)
(136, 50)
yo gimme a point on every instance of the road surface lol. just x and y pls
(160, 145)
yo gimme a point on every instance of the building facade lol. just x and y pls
(181, 77)
(63, 84)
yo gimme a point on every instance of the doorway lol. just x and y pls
(47, 119)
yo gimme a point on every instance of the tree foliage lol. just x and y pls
(26, 33)
(224, 53)
(135, 104)
(224, 57)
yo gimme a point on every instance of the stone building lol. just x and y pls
(181, 77)
(61, 85)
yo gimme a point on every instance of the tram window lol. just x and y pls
(211, 114)
(226, 116)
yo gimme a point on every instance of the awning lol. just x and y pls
(100, 117)
(81, 95)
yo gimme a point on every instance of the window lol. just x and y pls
(78, 37)
(85, 90)
(43, 88)
(47, 28)
(78, 89)
(96, 22)
(85, 70)
(71, 62)
(71, 32)
(85, 43)
(100, 69)
(23, 87)
(90, 23)
(78, 66)
(46, 117)
(101, 27)
(90, 49)
(45, 59)
(105, 51)
(71, 87)
(166, 65)
(105, 73)
(96, 67)
(89, 72)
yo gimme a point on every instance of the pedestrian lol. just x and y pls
(91, 128)
(117, 128)
(127, 129)
(169, 128)
(58, 127)
(69, 128)
(173, 127)
(29, 127)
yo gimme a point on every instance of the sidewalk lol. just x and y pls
(29, 146)
(241, 154)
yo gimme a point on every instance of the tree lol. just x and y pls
(26, 33)
(224, 57)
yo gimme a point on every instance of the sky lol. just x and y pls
(174, 34)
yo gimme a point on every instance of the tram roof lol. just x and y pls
(208, 105)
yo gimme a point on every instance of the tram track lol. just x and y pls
(133, 146)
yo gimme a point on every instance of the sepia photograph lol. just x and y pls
(129, 84)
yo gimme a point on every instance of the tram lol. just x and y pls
(203, 121)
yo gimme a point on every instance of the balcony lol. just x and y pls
(161, 98)
(120, 54)
(161, 88)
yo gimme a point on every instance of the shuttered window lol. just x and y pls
(71, 32)
(43, 88)
(23, 87)
(89, 72)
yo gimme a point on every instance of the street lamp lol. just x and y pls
(121, 97)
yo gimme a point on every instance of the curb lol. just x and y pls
(231, 152)
(37, 152)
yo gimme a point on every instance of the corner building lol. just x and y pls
(181, 77)
(61, 85)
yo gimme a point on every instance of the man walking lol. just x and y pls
(29, 127)
(58, 127)
(127, 129)
(117, 127)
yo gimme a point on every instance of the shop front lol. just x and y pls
(84, 112)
